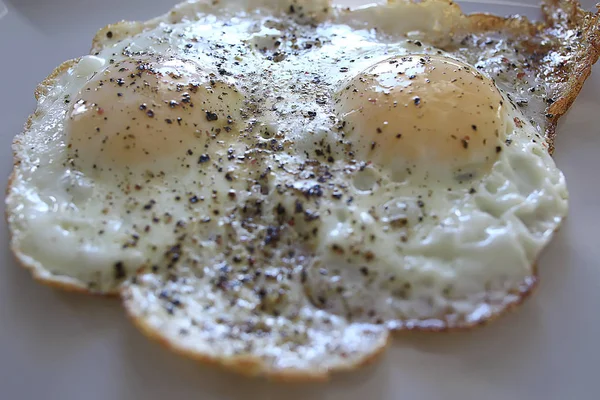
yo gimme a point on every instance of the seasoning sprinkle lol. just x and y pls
(211, 116)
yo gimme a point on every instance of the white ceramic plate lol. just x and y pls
(57, 346)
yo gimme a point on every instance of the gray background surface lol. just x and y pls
(58, 346)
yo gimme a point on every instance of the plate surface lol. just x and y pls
(58, 346)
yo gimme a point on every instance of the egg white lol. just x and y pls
(273, 226)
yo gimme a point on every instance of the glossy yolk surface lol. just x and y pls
(428, 114)
(147, 114)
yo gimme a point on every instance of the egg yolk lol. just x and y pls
(148, 114)
(419, 113)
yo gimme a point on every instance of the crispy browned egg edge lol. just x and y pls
(566, 81)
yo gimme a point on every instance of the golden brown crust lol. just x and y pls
(480, 22)
(564, 15)
(42, 88)
(560, 17)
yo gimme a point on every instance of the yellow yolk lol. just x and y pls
(149, 115)
(430, 115)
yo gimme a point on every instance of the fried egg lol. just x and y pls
(277, 185)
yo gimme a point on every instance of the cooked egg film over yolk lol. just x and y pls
(147, 114)
(245, 167)
(429, 116)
